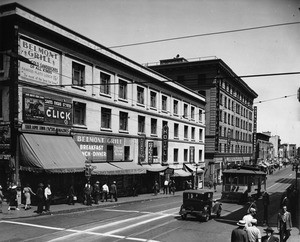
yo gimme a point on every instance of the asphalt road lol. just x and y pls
(155, 220)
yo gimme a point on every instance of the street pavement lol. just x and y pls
(65, 208)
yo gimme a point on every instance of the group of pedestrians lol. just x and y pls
(169, 187)
(247, 230)
(96, 193)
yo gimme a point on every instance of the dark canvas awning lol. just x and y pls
(155, 167)
(105, 168)
(50, 153)
(129, 167)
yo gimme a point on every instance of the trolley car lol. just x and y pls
(240, 184)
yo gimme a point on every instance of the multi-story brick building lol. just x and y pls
(230, 115)
(67, 102)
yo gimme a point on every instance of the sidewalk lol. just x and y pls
(65, 208)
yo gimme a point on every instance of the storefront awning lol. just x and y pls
(155, 167)
(54, 154)
(105, 168)
(192, 168)
(181, 173)
(129, 168)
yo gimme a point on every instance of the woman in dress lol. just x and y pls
(27, 193)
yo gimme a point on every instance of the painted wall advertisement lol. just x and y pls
(150, 152)
(39, 107)
(142, 148)
(94, 147)
(46, 63)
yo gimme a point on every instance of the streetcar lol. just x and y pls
(241, 184)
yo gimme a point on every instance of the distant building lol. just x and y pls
(275, 140)
(264, 147)
(230, 114)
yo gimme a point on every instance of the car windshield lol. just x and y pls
(198, 196)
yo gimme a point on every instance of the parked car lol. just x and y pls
(200, 204)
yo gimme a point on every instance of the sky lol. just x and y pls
(261, 51)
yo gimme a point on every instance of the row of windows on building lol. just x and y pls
(234, 92)
(189, 133)
(235, 107)
(239, 123)
(230, 148)
(188, 111)
(238, 135)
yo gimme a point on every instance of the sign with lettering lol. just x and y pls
(254, 133)
(46, 108)
(192, 154)
(46, 63)
(46, 129)
(142, 147)
(165, 140)
(150, 152)
(94, 147)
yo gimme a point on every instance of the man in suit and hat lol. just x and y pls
(239, 234)
(13, 198)
(284, 224)
(269, 237)
(113, 192)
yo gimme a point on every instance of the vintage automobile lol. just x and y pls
(200, 204)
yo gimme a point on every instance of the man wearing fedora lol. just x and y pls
(284, 224)
(269, 237)
(239, 234)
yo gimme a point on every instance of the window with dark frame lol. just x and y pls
(186, 132)
(78, 75)
(123, 121)
(175, 155)
(140, 95)
(175, 107)
(141, 124)
(185, 155)
(122, 89)
(79, 113)
(105, 118)
(176, 128)
(153, 126)
(185, 111)
(153, 99)
(164, 103)
(104, 83)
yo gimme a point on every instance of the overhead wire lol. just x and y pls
(205, 34)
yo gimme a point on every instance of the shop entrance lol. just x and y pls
(110, 153)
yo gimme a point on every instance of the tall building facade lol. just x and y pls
(275, 140)
(69, 105)
(230, 114)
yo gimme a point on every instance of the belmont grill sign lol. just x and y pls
(46, 108)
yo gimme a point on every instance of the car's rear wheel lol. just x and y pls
(183, 216)
(206, 217)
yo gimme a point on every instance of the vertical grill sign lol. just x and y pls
(165, 140)
(192, 154)
(217, 113)
(150, 152)
(142, 146)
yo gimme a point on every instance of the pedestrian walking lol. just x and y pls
(97, 192)
(269, 237)
(48, 197)
(27, 194)
(88, 190)
(248, 218)
(156, 188)
(1, 198)
(71, 195)
(105, 192)
(113, 192)
(253, 232)
(239, 234)
(40, 198)
(266, 202)
(172, 187)
(13, 203)
(284, 224)
(166, 186)
(19, 196)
